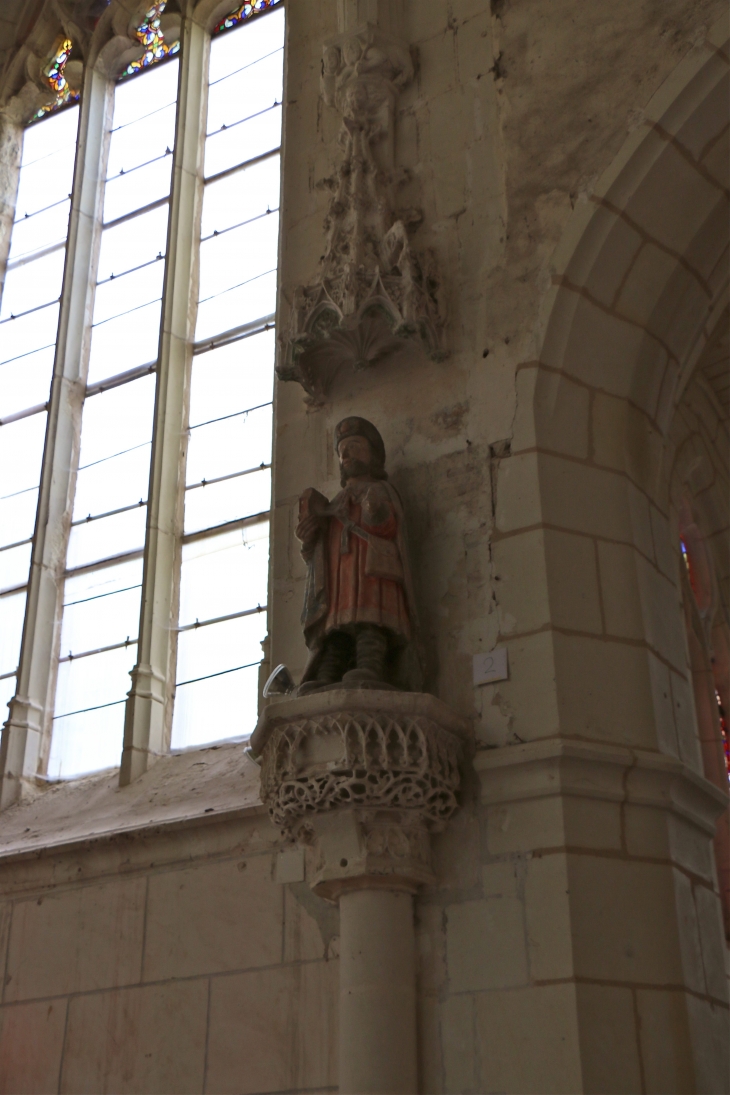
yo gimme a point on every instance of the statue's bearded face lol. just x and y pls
(355, 456)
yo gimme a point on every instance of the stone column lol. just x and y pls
(364, 776)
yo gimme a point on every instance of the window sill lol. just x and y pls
(182, 789)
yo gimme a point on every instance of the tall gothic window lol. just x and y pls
(228, 481)
(28, 326)
(103, 578)
(157, 311)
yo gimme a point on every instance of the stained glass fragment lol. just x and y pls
(149, 33)
(245, 11)
(59, 84)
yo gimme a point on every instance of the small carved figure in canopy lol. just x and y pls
(359, 616)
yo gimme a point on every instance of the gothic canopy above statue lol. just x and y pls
(372, 292)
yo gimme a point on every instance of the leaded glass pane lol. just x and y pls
(218, 707)
(142, 141)
(7, 691)
(246, 92)
(133, 242)
(90, 740)
(26, 381)
(100, 620)
(14, 563)
(220, 256)
(17, 516)
(223, 574)
(113, 483)
(35, 234)
(33, 284)
(12, 610)
(47, 163)
(232, 378)
(21, 450)
(243, 141)
(121, 343)
(120, 295)
(241, 196)
(231, 52)
(216, 648)
(27, 333)
(254, 299)
(229, 445)
(96, 540)
(122, 194)
(215, 503)
(135, 99)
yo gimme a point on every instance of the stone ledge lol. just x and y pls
(351, 700)
(555, 767)
(197, 786)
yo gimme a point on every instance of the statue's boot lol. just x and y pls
(371, 649)
(336, 656)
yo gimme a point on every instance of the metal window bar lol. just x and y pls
(212, 83)
(240, 121)
(220, 673)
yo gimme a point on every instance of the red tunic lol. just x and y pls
(354, 596)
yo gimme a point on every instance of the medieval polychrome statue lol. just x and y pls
(359, 616)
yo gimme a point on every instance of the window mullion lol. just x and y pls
(150, 698)
(24, 731)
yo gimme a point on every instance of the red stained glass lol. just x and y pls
(245, 11)
(724, 733)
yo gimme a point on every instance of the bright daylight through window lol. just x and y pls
(226, 450)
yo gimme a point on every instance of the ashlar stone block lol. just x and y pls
(621, 930)
(31, 1043)
(609, 1046)
(274, 1030)
(528, 1041)
(547, 911)
(149, 1038)
(214, 917)
(457, 1036)
(87, 938)
(666, 1052)
(485, 944)
(604, 691)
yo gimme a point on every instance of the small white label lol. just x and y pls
(491, 667)
(289, 865)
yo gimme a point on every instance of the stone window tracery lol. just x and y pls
(29, 312)
(71, 706)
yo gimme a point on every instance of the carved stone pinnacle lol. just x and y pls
(373, 293)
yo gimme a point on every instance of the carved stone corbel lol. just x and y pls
(365, 776)
(373, 293)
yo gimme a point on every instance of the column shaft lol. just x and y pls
(377, 993)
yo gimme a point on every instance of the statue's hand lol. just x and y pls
(308, 529)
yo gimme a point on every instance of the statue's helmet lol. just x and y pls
(360, 427)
